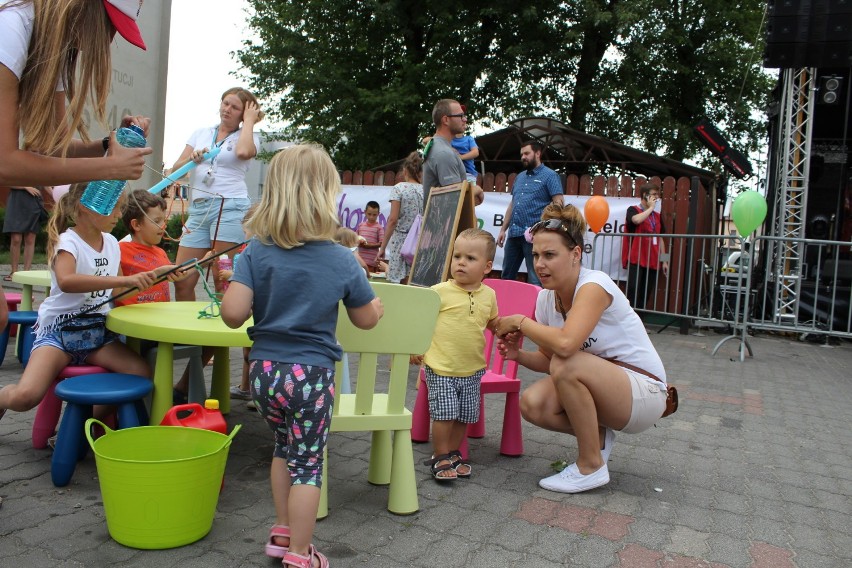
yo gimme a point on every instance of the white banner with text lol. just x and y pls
(490, 215)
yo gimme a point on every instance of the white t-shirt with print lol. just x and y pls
(229, 172)
(104, 262)
(619, 334)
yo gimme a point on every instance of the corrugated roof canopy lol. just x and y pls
(570, 151)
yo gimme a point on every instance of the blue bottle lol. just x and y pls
(101, 196)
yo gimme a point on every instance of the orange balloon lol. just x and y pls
(596, 212)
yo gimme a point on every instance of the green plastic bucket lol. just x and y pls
(160, 484)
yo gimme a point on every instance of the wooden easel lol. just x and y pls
(449, 211)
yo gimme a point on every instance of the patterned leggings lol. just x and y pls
(296, 401)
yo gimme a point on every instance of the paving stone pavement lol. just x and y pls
(754, 470)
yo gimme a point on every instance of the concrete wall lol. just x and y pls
(139, 82)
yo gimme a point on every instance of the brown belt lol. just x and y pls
(671, 391)
(635, 369)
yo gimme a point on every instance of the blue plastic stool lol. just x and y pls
(81, 393)
(26, 321)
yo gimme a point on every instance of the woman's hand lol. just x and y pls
(508, 347)
(251, 114)
(142, 122)
(197, 156)
(508, 324)
(127, 163)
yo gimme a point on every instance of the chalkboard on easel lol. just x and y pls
(449, 211)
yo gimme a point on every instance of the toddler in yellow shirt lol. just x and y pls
(455, 363)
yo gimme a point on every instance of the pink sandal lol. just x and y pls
(276, 550)
(299, 561)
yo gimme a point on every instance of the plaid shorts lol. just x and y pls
(454, 398)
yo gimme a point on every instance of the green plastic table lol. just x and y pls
(28, 279)
(178, 322)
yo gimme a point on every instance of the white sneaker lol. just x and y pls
(570, 480)
(609, 439)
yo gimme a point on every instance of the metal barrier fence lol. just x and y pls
(701, 287)
(722, 280)
(811, 298)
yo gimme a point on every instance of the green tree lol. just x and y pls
(684, 60)
(360, 77)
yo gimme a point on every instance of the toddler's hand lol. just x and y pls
(508, 347)
(379, 307)
(415, 360)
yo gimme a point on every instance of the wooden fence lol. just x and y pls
(674, 206)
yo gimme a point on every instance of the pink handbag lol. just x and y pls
(409, 246)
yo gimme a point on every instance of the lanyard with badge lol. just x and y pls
(653, 227)
(211, 172)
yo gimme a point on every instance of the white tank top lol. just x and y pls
(619, 334)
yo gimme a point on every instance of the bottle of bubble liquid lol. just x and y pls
(101, 196)
(225, 263)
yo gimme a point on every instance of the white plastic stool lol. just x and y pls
(197, 391)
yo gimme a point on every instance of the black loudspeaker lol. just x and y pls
(808, 33)
(830, 89)
(823, 195)
(832, 115)
(737, 164)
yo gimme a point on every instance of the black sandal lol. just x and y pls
(457, 460)
(438, 469)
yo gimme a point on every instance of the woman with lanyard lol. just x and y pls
(218, 187)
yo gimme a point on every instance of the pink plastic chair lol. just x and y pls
(50, 407)
(13, 300)
(513, 297)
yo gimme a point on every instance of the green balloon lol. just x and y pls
(748, 212)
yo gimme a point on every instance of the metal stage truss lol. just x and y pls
(793, 160)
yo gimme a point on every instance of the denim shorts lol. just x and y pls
(52, 339)
(200, 226)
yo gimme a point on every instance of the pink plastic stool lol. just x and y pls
(420, 419)
(50, 407)
(13, 299)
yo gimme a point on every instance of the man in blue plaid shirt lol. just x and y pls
(533, 190)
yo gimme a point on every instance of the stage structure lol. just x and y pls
(805, 40)
(791, 195)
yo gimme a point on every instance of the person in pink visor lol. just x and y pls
(55, 61)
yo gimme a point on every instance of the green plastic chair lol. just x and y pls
(406, 328)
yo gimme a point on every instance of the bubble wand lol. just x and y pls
(188, 265)
(179, 173)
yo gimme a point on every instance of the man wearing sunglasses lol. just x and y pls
(442, 165)
(533, 190)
